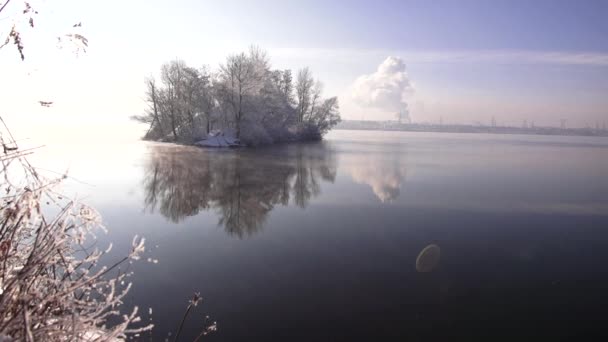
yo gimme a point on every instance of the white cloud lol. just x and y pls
(386, 89)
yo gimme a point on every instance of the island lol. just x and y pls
(243, 103)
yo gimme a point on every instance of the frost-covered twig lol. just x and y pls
(51, 288)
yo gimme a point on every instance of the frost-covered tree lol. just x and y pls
(153, 115)
(284, 81)
(242, 76)
(316, 116)
(324, 116)
(304, 90)
(180, 107)
(204, 100)
(277, 113)
(172, 75)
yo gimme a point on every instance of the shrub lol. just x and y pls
(51, 286)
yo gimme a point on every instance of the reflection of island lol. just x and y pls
(243, 186)
(384, 175)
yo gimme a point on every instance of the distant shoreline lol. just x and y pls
(445, 128)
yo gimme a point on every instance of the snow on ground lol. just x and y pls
(219, 139)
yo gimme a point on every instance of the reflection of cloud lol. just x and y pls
(243, 187)
(384, 175)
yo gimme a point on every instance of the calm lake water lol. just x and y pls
(319, 242)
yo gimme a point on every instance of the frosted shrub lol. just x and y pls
(52, 287)
(254, 134)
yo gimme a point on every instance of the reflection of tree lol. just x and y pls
(170, 180)
(243, 185)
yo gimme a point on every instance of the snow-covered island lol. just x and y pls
(243, 103)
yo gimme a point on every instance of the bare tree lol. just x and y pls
(172, 75)
(316, 92)
(152, 115)
(284, 81)
(304, 85)
(205, 102)
(152, 97)
(242, 75)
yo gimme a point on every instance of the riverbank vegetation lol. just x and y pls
(245, 98)
(53, 282)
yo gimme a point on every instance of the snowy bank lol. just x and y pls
(219, 139)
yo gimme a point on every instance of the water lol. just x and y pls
(319, 242)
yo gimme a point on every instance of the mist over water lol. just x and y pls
(364, 236)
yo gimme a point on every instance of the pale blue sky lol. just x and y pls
(468, 60)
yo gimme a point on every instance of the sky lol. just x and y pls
(455, 61)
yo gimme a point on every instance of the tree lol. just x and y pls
(322, 120)
(172, 75)
(284, 82)
(242, 76)
(304, 85)
(152, 114)
(182, 104)
(204, 100)
(328, 115)
(316, 92)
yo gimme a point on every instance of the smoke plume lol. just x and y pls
(386, 89)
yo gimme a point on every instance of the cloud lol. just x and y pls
(506, 57)
(386, 89)
(518, 57)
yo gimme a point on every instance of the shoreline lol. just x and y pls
(422, 128)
